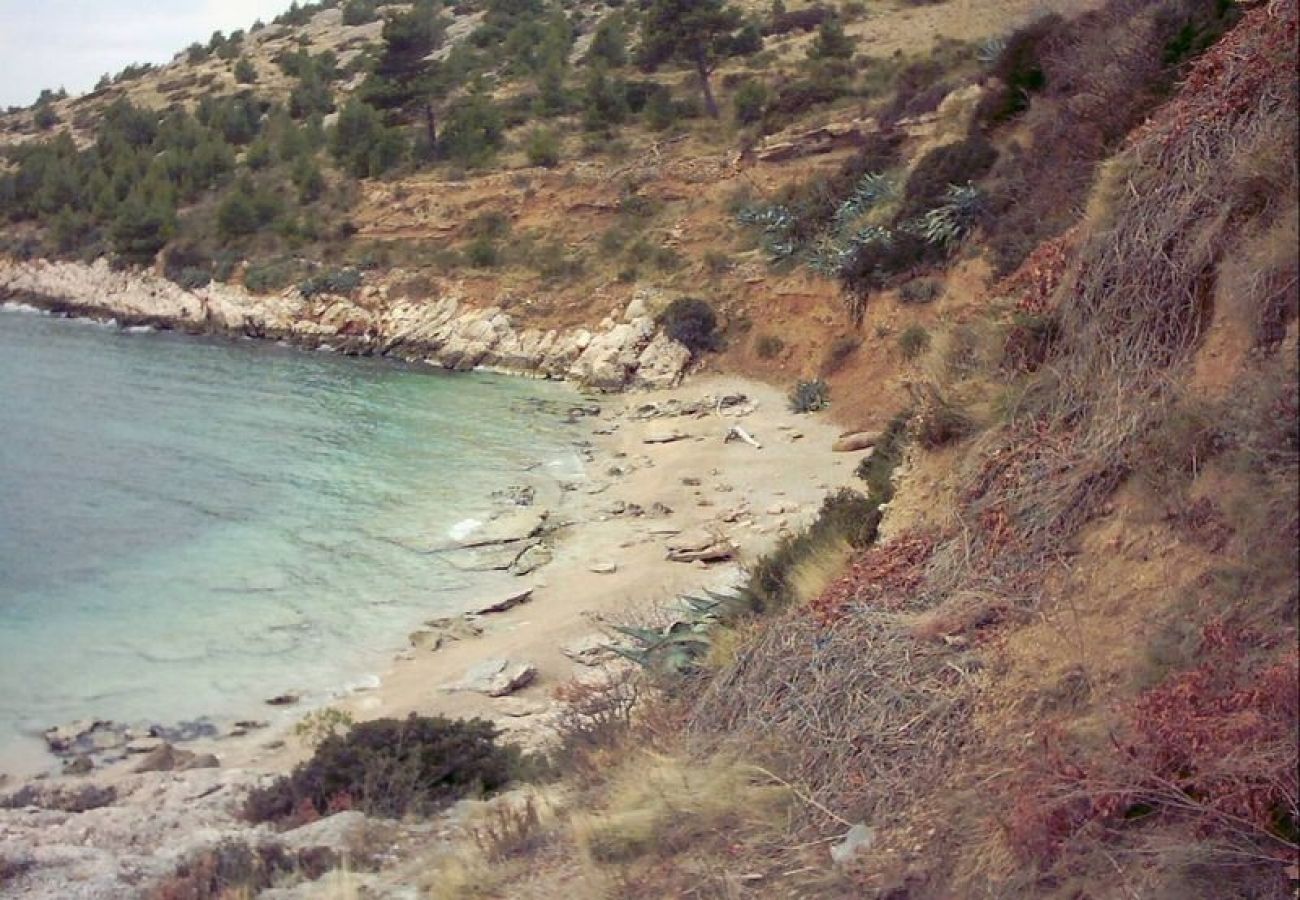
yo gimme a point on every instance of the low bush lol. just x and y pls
(769, 346)
(341, 282)
(945, 166)
(810, 396)
(692, 323)
(1018, 69)
(940, 422)
(839, 352)
(877, 468)
(543, 148)
(846, 518)
(483, 252)
(914, 341)
(920, 290)
(389, 767)
(749, 102)
(269, 277)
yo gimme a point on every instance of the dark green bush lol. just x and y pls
(844, 516)
(950, 164)
(877, 468)
(810, 396)
(1019, 71)
(483, 252)
(914, 341)
(543, 148)
(750, 101)
(692, 323)
(341, 282)
(269, 277)
(391, 767)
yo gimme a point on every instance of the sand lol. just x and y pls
(702, 478)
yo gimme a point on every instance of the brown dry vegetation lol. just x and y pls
(1070, 670)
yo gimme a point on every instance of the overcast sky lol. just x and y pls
(53, 43)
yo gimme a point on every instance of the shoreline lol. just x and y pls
(609, 564)
(659, 471)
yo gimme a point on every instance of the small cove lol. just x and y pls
(188, 526)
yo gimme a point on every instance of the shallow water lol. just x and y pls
(189, 526)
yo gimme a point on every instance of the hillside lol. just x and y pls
(1041, 260)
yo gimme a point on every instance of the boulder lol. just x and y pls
(855, 441)
(661, 435)
(83, 735)
(858, 839)
(662, 364)
(283, 700)
(168, 758)
(603, 568)
(495, 677)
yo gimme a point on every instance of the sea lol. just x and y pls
(189, 526)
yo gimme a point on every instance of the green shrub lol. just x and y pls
(1018, 69)
(269, 277)
(390, 767)
(844, 516)
(543, 148)
(769, 346)
(950, 164)
(245, 73)
(877, 468)
(914, 341)
(692, 323)
(810, 396)
(750, 101)
(341, 282)
(473, 132)
(187, 265)
(483, 253)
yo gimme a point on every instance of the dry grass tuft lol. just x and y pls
(662, 805)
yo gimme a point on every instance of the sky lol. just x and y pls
(65, 43)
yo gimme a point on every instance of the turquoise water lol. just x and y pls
(190, 526)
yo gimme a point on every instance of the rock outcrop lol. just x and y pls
(441, 331)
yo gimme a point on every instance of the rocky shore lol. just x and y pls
(673, 502)
(442, 331)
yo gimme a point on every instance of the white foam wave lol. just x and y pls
(463, 529)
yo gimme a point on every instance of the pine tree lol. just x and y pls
(403, 80)
(697, 32)
(831, 41)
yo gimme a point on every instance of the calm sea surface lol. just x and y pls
(190, 526)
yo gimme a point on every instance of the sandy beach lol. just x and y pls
(661, 471)
(610, 560)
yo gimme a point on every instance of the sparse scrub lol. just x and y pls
(839, 353)
(920, 290)
(769, 346)
(913, 341)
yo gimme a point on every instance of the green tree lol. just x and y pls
(404, 80)
(145, 221)
(609, 44)
(831, 42)
(362, 144)
(697, 32)
(244, 71)
(603, 103)
(474, 131)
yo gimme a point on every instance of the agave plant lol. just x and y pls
(991, 49)
(953, 219)
(872, 188)
(680, 646)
